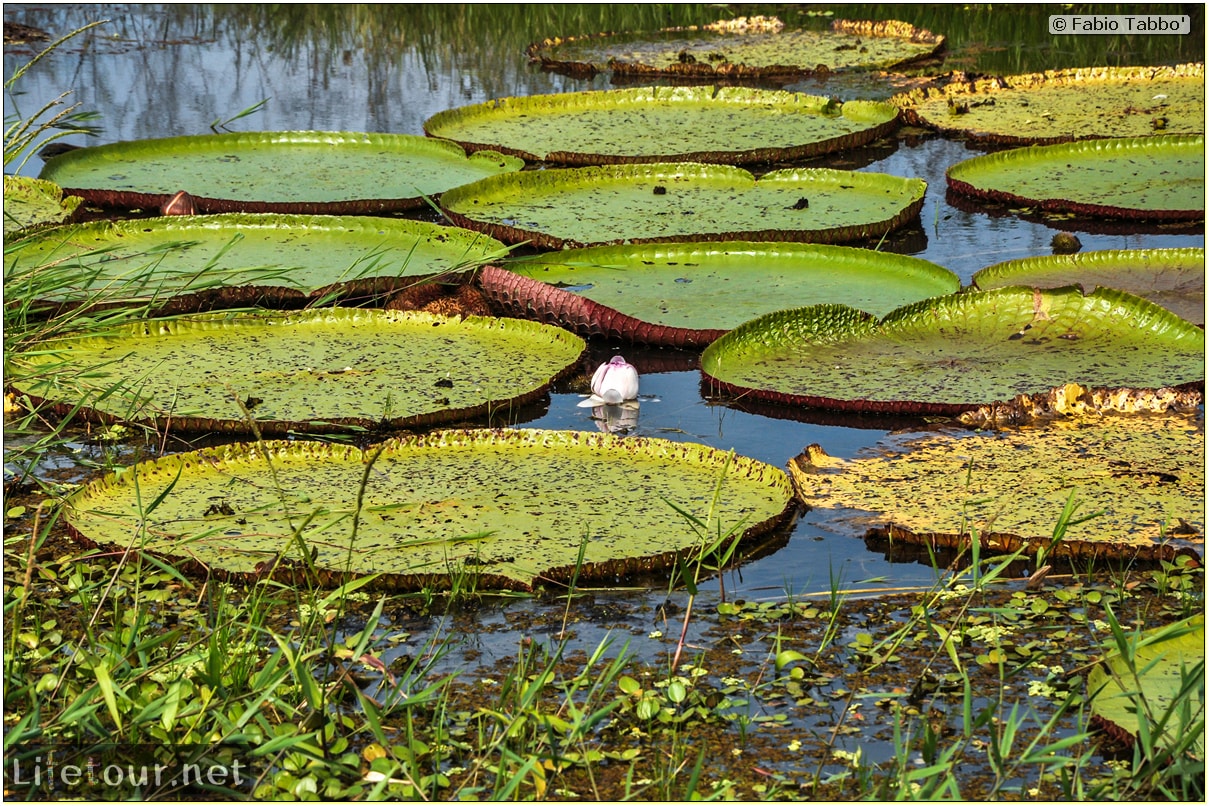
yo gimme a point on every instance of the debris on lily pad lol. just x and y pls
(510, 509)
(1136, 485)
(746, 48)
(1059, 106)
(32, 202)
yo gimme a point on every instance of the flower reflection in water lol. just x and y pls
(620, 419)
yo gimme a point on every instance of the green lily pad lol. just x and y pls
(662, 202)
(32, 202)
(275, 172)
(511, 508)
(1062, 105)
(687, 295)
(1172, 278)
(1145, 476)
(1164, 660)
(746, 47)
(313, 371)
(666, 124)
(1159, 178)
(950, 354)
(306, 255)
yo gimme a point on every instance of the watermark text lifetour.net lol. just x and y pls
(68, 769)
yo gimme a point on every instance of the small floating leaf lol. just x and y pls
(786, 657)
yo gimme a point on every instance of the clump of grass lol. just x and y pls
(24, 135)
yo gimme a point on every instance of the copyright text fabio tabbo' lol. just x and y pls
(1120, 24)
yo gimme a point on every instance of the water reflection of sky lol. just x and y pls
(157, 71)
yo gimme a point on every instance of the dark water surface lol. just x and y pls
(166, 70)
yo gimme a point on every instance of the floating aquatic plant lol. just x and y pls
(950, 354)
(321, 370)
(514, 508)
(733, 126)
(275, 172)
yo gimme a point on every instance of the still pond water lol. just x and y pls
(167, 70)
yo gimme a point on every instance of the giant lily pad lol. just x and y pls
(665, 124)
(950, 354)
(304, 255)
(511, 508)
(662, 202)
(687, 295)
(1133, 177)
(1167, 665)
(1173, 278)
(312, 371)
(1062, 105)
(747, 47)
(275, 172)
(1142, 477)
(32, 202)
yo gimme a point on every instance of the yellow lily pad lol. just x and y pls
(1142, 477)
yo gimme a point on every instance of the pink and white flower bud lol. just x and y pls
(615, 381)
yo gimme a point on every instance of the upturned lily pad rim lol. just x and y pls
(1023, 271)
(555, 306)
(1193, 256)
(529, 297)
(985, 88)
(1155, 315)
(603, 447)
(205, 204)
(961, 177)
(705, 71)
(1115, 711)
(883, 118)
(528, 182)
(163, 421)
